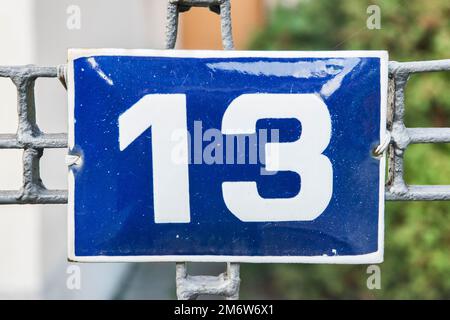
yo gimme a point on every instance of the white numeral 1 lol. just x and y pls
(165, 114)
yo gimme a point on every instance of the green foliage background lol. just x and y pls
(417, 254)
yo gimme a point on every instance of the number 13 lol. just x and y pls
(166, 113)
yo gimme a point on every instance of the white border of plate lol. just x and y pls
(375, 257)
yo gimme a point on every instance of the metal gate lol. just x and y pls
(33, 142)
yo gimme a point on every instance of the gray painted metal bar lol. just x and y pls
(428, 135)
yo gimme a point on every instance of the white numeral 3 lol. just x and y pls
(303, 156)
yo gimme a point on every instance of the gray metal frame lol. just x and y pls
(221, 7)
(30, 138)
(402, 137)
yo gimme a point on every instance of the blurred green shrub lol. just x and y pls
(417, 244)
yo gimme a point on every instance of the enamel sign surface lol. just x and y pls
(233, 156)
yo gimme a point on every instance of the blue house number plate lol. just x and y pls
(234, 156)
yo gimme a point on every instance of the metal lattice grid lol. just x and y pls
(30, 138)
(396, 188)
(33, 142)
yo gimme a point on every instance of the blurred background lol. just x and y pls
(33, 238)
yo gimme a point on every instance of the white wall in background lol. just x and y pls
(20, 240)
(33, 238)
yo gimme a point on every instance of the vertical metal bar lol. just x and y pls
(233, 269)
(171, 24)
(398, 132)
(25, 106)
(32, 183)
(389, 125)
(226, 25)
(233, 274)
